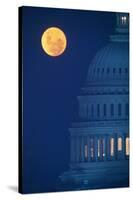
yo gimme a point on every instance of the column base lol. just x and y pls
(111, 174)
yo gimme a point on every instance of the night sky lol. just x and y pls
(51, 86)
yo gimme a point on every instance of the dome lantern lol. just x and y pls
(122, 23)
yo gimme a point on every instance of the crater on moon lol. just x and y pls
(54, 41)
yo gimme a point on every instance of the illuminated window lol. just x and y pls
(112, 146)
(92, 152)
(119, 144)
(127, 146)
(103, 147)
(123, 20)
(92, 148)
(86, 151)
(98, 148)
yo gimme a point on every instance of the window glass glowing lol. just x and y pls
(86, 151)
(119, 144)
(92, 148)
(98, 148)
(92, 152)
(112, 146)
(123, 19)
(127, 146)
(103, 147)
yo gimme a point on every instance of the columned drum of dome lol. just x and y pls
(100, 136)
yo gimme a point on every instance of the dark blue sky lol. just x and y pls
(51, 85)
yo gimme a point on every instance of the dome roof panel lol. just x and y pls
(114, 55)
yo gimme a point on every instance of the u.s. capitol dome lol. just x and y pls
(100, 136)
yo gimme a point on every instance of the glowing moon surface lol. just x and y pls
(53, 41)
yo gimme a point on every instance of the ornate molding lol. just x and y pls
(110, 123)
(105, 90)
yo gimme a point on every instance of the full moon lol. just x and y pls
(53, 41)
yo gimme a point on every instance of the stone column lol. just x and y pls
(96, 148)
(104, 147)
(123, 146)
(115, 146)
(101, 148)
(108, 147)
(82, 148)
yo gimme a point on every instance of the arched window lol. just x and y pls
(119, 109)
(112, 146)
(112, 109)
(119, 144)
(127, 146)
